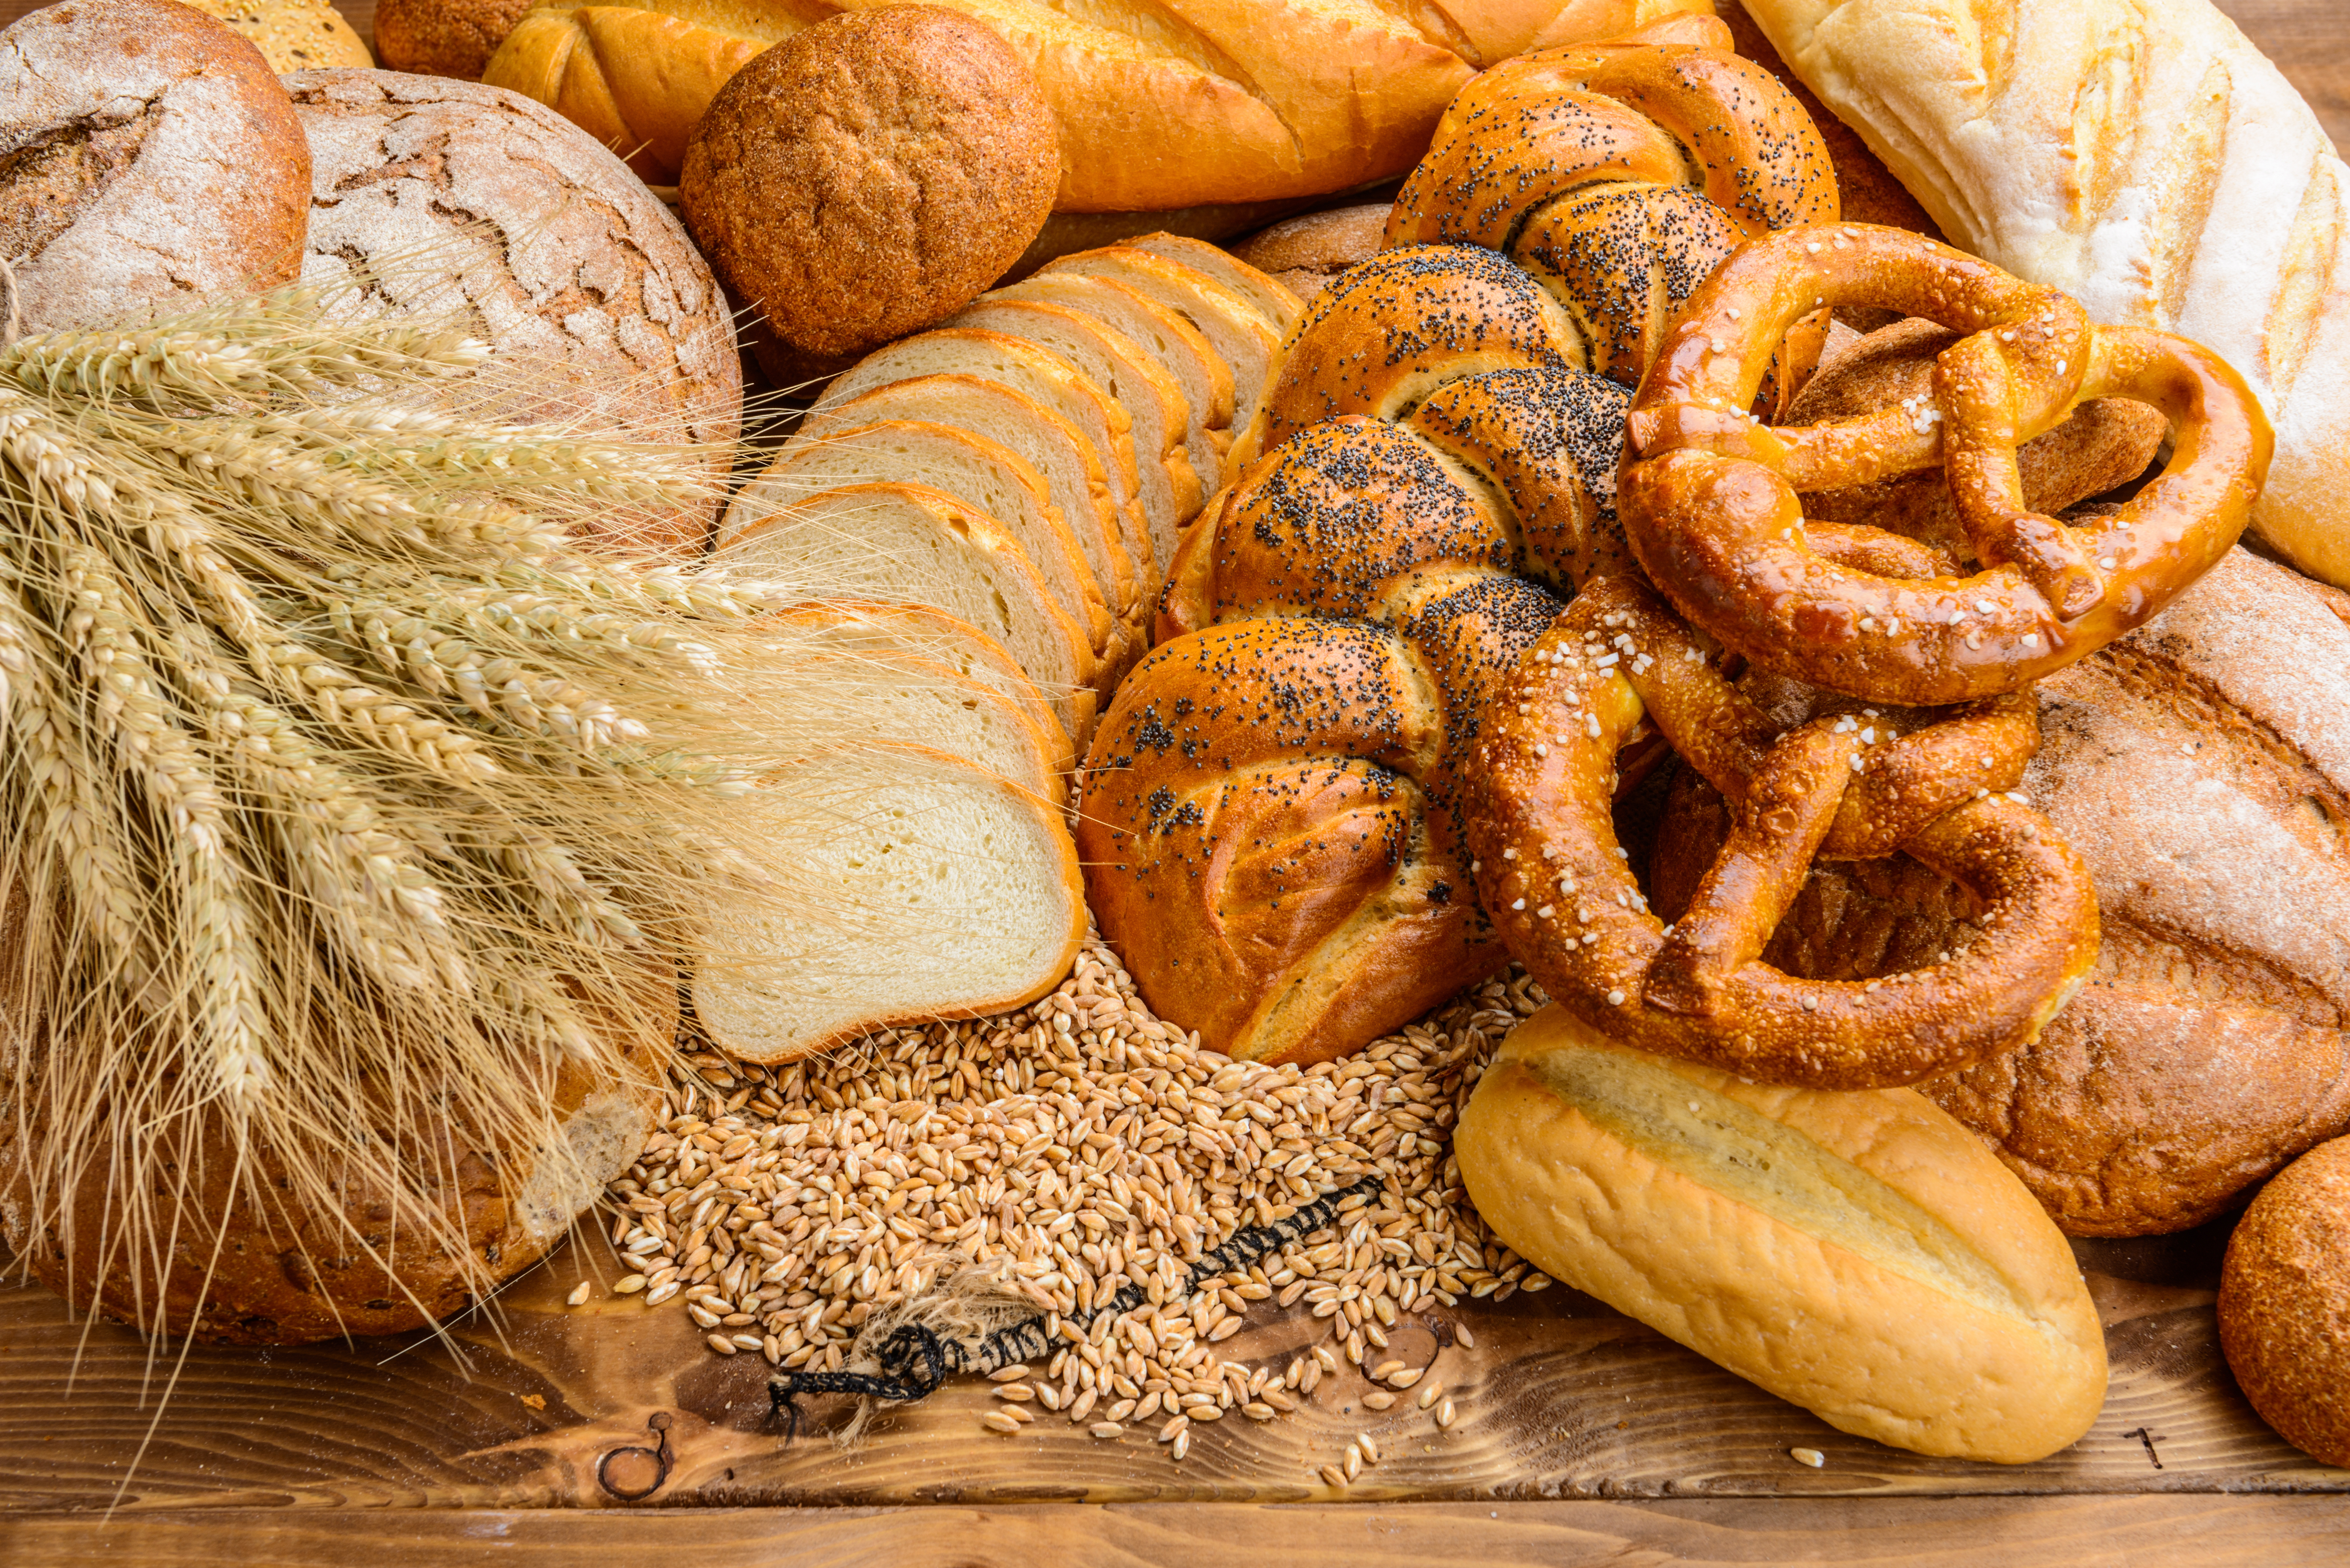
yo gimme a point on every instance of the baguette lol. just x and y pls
(2185, 188)
(1860, 1254)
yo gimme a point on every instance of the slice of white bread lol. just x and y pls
(1072, 469)
(1036, 372)
(1271, 298)
(872, 696)
(1167, 486)
(1860, 1254)
(1199, 372)
(945, 892)
(911, 545)
(984, 476)
(1233, 328)
(925, 631)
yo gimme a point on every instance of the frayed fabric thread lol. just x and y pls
(968, 1325)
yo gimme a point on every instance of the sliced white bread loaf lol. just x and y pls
(1199, 372)
(959, 890)
(1036, 372)
(986, 476)
(911, 545)
(876, 697)
(1272, 299)
(925, 631)
(1246, 340)
(1167, 486)
(1075, 478)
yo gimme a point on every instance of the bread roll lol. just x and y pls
(1219, 101)
(869, 176)
(1306, 253)
(2186, 187)
(293, 34)
(455, 197)
(443, 37)
(2285, 1303)
(148, 164)
(1860, 1254)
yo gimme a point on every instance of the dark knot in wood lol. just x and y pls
(633, 1473)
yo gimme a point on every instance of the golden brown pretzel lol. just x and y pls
(1708, 495)
(1552, 877)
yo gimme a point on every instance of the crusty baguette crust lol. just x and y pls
(1214, 101)
(1860, 1254)
(2186, 187)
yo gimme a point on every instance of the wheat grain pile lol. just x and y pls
(1068, 1149)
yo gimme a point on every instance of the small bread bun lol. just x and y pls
(443, 37)
(869, 176)
(1860, 1254)
(1306, 252)
(2285, 1303)
(293, 34)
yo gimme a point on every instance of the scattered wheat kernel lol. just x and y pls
(1180, 1446)
(1468, 1340)
(1407, 1378)
(1429, 1395)
(578, 1296)
(1370, 1449)
(1255, 1411)
(1178, 1424)
(1810, 1456)
(1000, 1421)
(1106, 1429)
(721, 1343)
(629, 1284)
(1017, 1414)
(1335, 1477)
(1017, 1392)
(1445, 1416)
(1377, 1401)
(1008, 1373)
(1353, 1463)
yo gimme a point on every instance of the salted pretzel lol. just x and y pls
(1854, 784)
(1708, 495)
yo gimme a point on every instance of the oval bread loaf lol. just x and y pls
(1860, 1254)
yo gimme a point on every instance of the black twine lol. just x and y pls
(915, 1360)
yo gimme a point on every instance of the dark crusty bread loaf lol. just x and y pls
(148, 164)
(2285, 1303)
(443, 37)
(457, 197)
(2201, 766)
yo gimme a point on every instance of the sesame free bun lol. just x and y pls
(2285, 1303)
(869, 177)
(1857, 1253)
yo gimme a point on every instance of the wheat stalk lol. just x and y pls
(349, 796)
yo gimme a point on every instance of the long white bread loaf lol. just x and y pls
(2142, 156)
(1860, 1254)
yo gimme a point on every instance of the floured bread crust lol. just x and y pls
(150, 164)
(455, 197)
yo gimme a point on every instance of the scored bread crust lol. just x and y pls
(783, 1005)
(150, 164)
(2188, 189)
(1857, 1253)
(444, 196)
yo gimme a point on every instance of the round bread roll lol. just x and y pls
(443, 37)
(293, 34)
(869, 176)
(1860, 1254)
(148, 164)
(2285, 1303)
(452, 196)
(1306, 252)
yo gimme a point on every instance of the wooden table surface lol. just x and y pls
(608, 1435)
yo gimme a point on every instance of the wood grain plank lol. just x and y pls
(2015, 1533)
(1561, 1398)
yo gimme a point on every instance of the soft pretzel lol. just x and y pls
(1709, 501)
(1550, 873)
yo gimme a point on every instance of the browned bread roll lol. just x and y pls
(293, 34)
(458, 197)
(2285, 1303)
(2106, 443)
(2202, 767)
(149, 163)
(443, 37)
(868, 177)
(1240, 100)
(1306, 253)
(243, 1266)
(1857, 1253)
